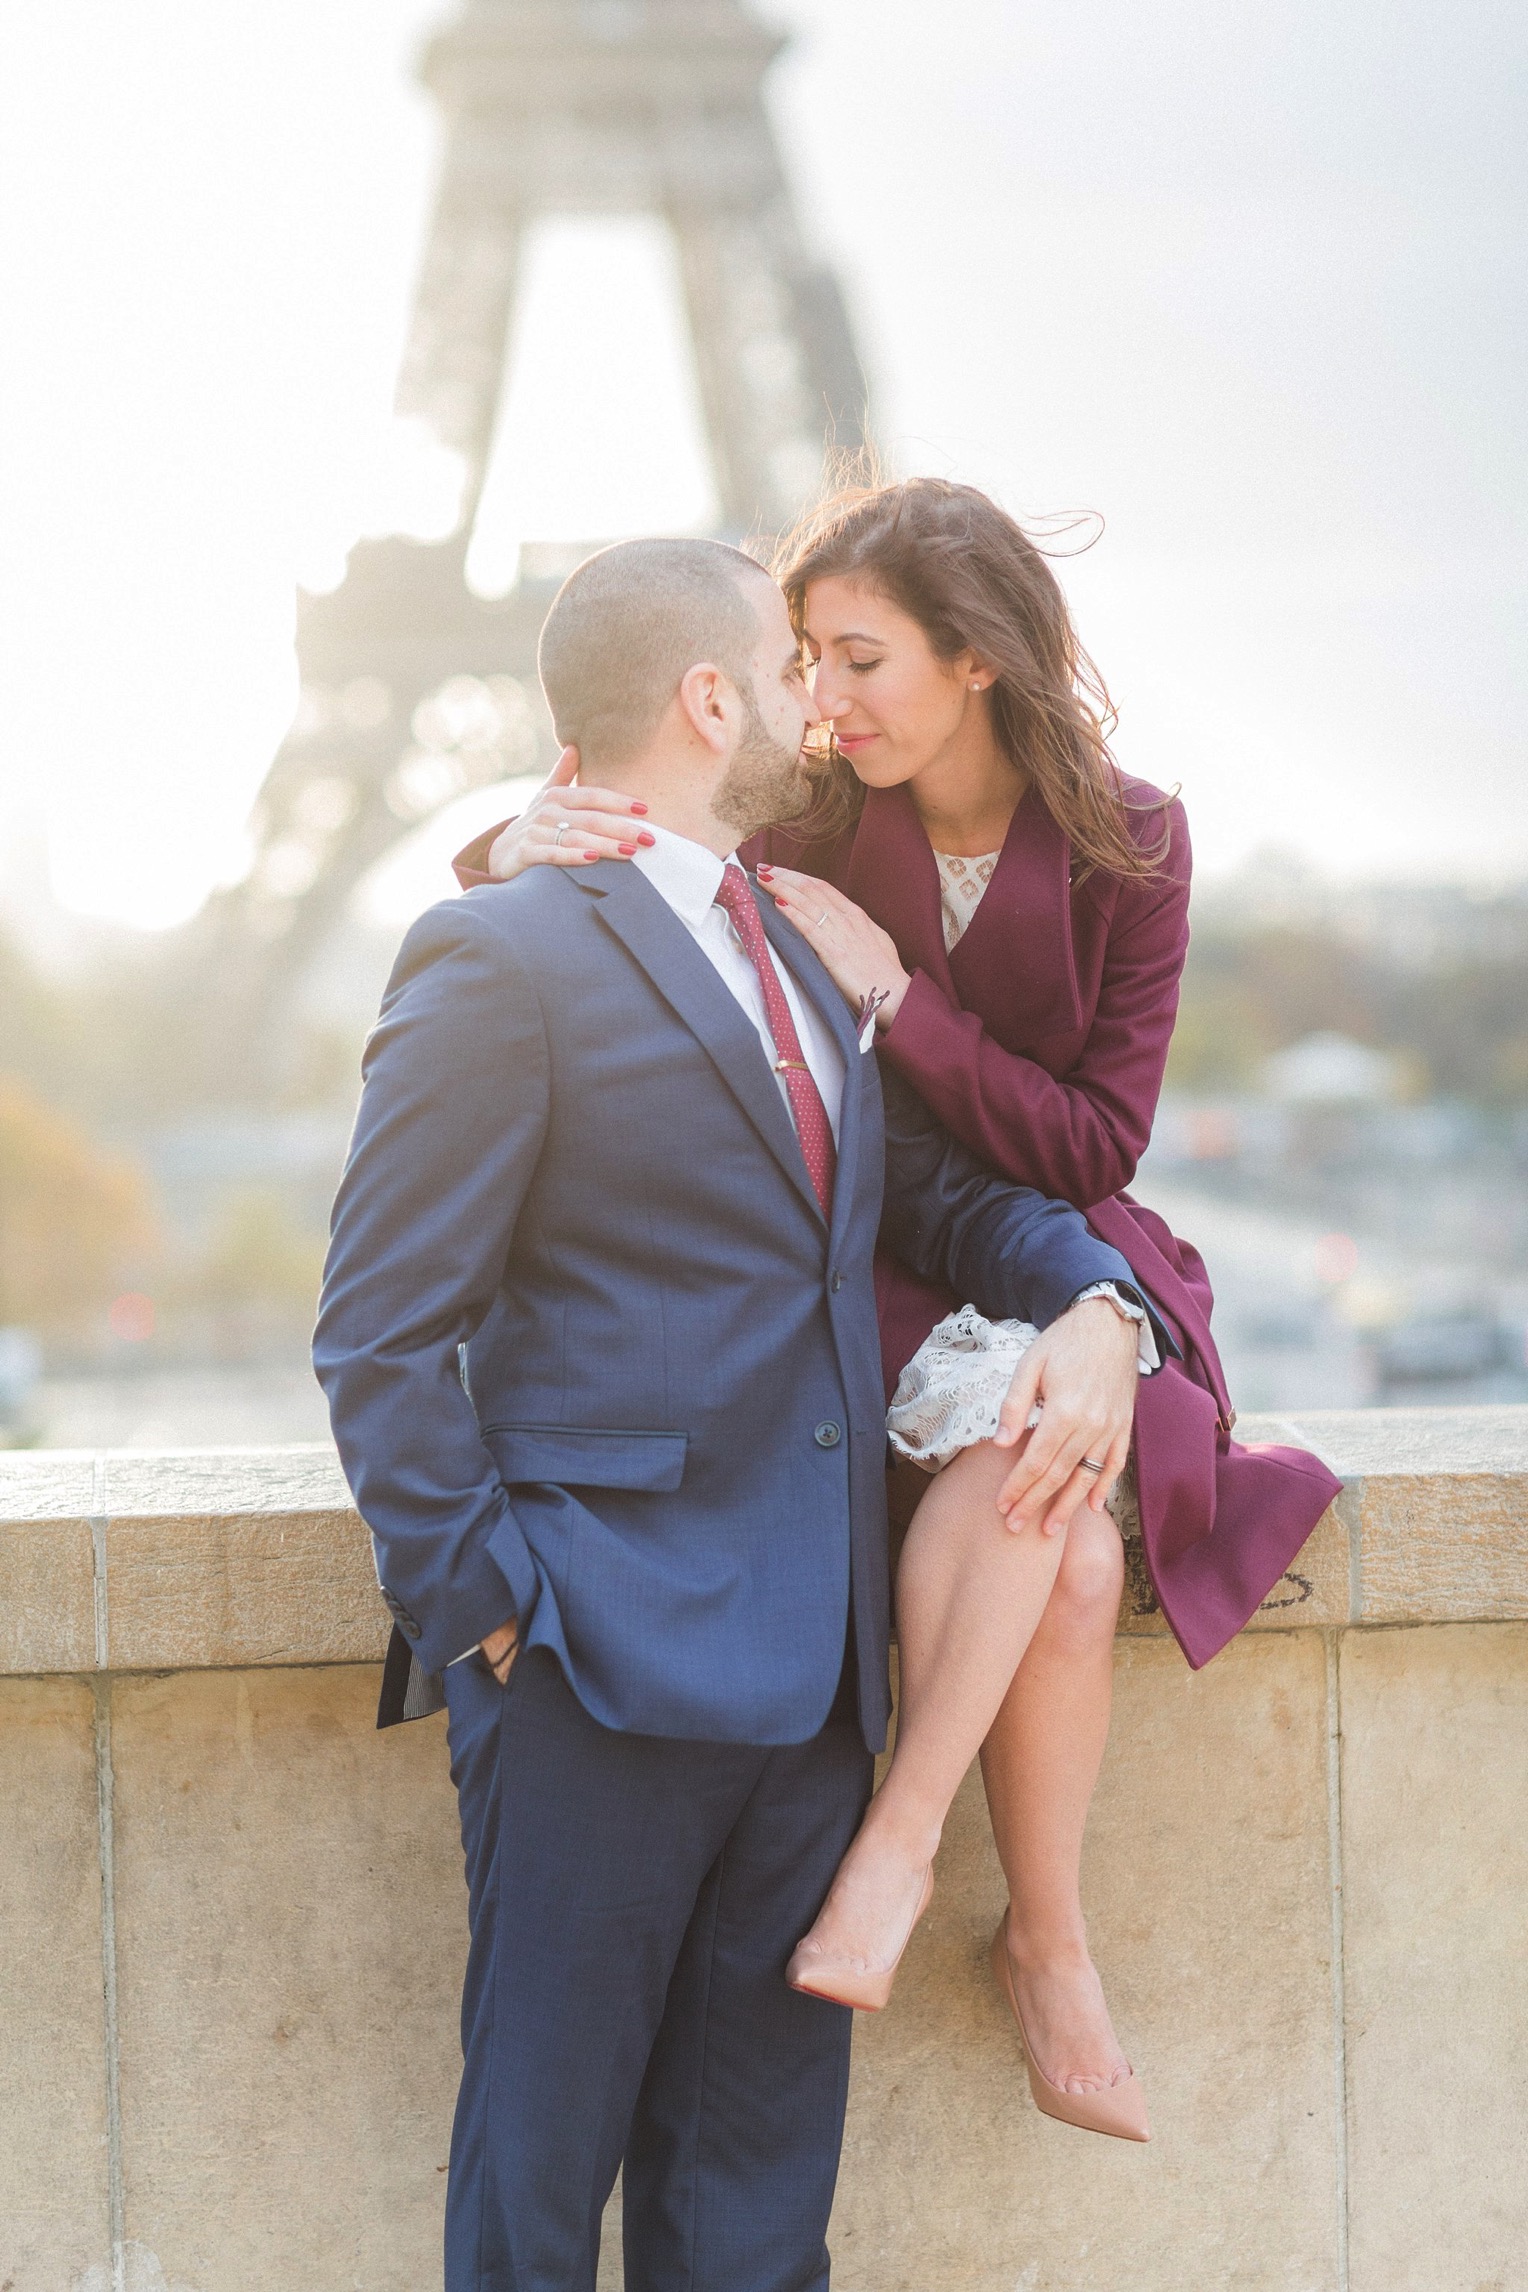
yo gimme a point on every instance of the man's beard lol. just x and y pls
(766, 784)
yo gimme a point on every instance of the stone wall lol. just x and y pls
(232, 1925)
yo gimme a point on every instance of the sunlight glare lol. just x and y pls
(600, 433)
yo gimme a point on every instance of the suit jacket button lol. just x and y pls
(836, 1283)
(828, 1435)
(410, 1628)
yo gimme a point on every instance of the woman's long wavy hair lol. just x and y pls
(972, 578)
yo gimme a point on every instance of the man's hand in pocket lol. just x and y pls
(500, 1649)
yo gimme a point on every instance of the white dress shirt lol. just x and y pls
(688, 877)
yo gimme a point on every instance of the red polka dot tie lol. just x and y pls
(812, 1125)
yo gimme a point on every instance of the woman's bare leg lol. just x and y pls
(969, 1595)
(1040, 1763)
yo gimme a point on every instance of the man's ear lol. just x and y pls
(706, 696)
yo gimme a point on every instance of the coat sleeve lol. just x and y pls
(470, 866)
(1080, 1137)
(1015, 1254)
(452, 1118)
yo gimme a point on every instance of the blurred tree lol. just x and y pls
(259, 1258)
(1468, 1023)
(36, 1024)
(74, 1222)
(102, 1043)
(1462, 1026)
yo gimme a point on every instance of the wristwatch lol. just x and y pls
(1146, 1339)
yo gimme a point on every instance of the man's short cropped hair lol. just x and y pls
(626, 628)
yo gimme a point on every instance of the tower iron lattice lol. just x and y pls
(414, 689)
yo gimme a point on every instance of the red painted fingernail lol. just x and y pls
(627, 851)
(647, 837)
(639, 807)
(591, 855)
(763, 868)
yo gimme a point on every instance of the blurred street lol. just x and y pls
(230, 1407)
(1223, 296)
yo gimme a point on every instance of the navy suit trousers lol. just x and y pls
(633, 1903)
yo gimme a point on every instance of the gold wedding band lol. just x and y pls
(821, 920)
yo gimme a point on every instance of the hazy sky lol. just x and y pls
(1247, 281)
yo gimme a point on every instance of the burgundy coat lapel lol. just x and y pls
(1027, 904)
(892, 875)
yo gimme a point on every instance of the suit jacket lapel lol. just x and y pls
(654, 936)
(814, 982)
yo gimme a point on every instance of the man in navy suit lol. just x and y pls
(599, 1339)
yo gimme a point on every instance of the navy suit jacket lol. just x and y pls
(593, 1356)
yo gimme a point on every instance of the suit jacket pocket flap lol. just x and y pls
(587, 1456)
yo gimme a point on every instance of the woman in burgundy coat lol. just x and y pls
(980, 863)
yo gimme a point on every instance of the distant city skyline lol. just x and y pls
(1244, 286)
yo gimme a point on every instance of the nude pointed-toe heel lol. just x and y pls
(1119, 2110)
(840, 1983)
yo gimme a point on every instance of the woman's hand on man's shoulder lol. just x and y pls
(568, 825)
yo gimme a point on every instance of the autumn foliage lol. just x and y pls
(74, 1221)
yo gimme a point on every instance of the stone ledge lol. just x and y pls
(226, 1558)
(213, 1559)
(1433, 1513)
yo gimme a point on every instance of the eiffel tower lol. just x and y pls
(414, 689)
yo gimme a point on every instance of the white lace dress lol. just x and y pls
(951, 1393)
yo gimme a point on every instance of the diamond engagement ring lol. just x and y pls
(562, 831)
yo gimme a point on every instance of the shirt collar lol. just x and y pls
(686, 874)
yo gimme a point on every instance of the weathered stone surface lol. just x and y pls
(231, 1557)
(290, 1934)
(47, 1570)
(54, 2220)
(1362, 1444)
(612, 2273)
(226, 1557)
(1434, 1549)
(47, 1484)
(1435, 1857)
(1316, 1591)
(209, 1592)
(291, 1918)
(1436, 1506)
(291, 1921)
(1209, 1898)
(47, 1598)
(199, 1482)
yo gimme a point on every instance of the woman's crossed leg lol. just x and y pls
(1006, 1642)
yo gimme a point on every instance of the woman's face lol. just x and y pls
(895, 705)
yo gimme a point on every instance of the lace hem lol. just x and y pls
(951, 1394)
